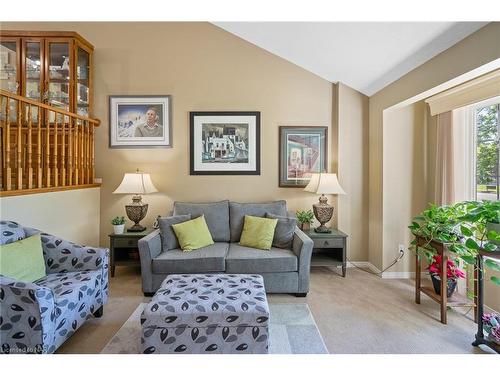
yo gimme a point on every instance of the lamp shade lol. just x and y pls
(324, 183)
(136, 183)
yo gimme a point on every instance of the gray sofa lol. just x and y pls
(283, 270)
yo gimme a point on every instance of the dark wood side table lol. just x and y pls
(330, 249)
(124, 249)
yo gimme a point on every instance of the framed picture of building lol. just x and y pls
(303, 150)
(140, 121)
(225, 143)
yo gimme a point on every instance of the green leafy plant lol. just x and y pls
(305, 217)
(464, 227)
(118, 220)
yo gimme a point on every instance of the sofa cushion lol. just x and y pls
(206, 259)
(237, 212)
(10, 231)
(241, 259)
(258, 232)
(283, 233)
(216, 216)
(23, 260)
(168, 237)
(193, 234)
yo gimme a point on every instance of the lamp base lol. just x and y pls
(322, 229)
(136, 228)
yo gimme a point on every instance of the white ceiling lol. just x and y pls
(364, 55)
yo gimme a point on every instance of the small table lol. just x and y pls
(329, 249)
(455, 300)
(124, 249)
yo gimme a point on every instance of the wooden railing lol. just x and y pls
(43, 148)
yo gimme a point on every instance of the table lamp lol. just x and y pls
(136, 183)
(323, 183)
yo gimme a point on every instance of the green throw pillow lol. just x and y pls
(193, 234)
(23, 260)
(258, 232)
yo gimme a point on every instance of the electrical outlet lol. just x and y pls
(402, 248)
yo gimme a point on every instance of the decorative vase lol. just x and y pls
(305, 227)
(118, 229)
(436, 282)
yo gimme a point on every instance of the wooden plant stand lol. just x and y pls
(443, 300)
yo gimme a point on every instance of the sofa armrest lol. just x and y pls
(149, 248)
(302, 246)
(27, 317)
(65, 256)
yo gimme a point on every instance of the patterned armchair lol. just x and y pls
(38, 317)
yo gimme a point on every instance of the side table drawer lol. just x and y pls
(126, 242)
(323, 243)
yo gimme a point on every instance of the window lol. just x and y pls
(487, 154)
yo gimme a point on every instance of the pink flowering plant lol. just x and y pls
(452, 271)
(495, 334)
(491, 321)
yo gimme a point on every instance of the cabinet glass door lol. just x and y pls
(59, 75)
(9, 79)
(33, 71)
(82, 82)
(9, 72)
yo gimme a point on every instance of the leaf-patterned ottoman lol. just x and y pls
(212, 313)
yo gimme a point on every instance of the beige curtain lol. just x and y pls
(455, 156)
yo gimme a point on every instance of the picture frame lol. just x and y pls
(302, 150)
(140, 121)
(224, 143)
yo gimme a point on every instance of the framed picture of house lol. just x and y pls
(303, 150)
(224, 143)
(140, 121)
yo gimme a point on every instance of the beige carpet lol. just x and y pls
(361, 313)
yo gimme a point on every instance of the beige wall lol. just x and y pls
(203, 68)
(350, 123)
(405, 194)
(72, 215)
(476, 50)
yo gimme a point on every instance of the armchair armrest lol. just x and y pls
(149, 248)
(65, 256)
(27, 317)
(302, 246)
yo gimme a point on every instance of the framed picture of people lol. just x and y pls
(139, 121)
(224, 143)
(303, 150)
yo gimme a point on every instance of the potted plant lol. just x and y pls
(118, 224)
(305, 218)
(465, 227)
(491, 324)
(452, 273)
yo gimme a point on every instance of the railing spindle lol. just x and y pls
(55, 169)
(39, 171)
(19, 172)
(30, 149)
(63, 152)
(92, 161)
(8, 170)
(47, 149)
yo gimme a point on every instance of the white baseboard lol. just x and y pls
(386, 274)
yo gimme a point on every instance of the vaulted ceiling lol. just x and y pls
(364, 55)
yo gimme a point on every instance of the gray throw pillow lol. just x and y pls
(237, 212)
(216, 216)
(283, 233)
(168, 238)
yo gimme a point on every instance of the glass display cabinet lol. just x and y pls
(51, 67)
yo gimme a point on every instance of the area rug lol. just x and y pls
(292, 330)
